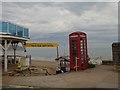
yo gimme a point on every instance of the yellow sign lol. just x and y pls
(41, 45)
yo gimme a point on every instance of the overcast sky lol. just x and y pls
(54, 21)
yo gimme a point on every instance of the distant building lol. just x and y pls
(116, 54)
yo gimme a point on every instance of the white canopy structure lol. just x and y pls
(12, 34)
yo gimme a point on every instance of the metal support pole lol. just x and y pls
(57, 52)
(5, 57)
(15, 56)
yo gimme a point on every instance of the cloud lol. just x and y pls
(61, 17)
(56, 18)
(54, 21)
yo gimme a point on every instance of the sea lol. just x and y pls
(50, 54)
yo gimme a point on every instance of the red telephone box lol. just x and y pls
(78, 51)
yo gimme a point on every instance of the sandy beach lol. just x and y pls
(101, 76)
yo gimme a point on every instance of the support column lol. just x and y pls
(5, 56)
(5, 48)
(14, 45)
